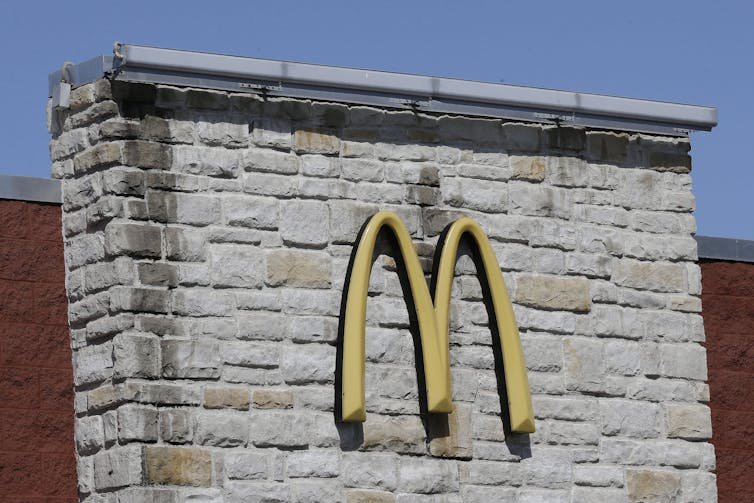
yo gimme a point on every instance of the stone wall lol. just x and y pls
(728, 299)
(207, 240)
(37, 462)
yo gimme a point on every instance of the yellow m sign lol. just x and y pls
(432, 317)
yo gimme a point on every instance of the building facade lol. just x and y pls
(212, 210)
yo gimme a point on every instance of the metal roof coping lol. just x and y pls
(29, 188)
(138, 63)
(737, 250)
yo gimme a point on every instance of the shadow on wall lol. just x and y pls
(320, 120)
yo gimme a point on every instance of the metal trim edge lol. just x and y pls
(397, 90)
(738, 250)
(29, 188)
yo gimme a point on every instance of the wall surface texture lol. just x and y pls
(207, 240)
(728, 298)
(37, 462)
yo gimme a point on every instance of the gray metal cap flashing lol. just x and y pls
(28, 188)
(136, 63)
(738, 250)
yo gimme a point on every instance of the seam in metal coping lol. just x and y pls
(135, 63)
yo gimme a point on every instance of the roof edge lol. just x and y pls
(398, 90)
(738, 250)
(29, 188)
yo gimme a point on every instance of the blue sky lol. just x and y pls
(697, 52)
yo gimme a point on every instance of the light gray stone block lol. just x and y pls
(137, 423)
(175, 207)
(429, 477)
(118, 467)
(316, 463)
(93, 364)
(89, 435)
(630, 418)
(304, 223)
(251, 354)
(280, 429)
(236, 266)
(176, 425)
(190, 359)
(221, 428)
(307, 363)
(205, 161)
(136, 355)
(202, 302)
(370, 471)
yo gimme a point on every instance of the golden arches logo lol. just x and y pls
(431, 314)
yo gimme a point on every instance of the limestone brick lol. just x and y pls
(318, 141)
(298, 269)
(369, 496)
(272, 399)
(118, 467)
(89, 434)
(652, 485)
(221, 428)
(304, 223)
(176, 426)
(105, 154)
(280, 429)
(689, 421)
(137, 423)
(397, 434)
(190, 359)
(316, 463)
(220, 397)
(178, 466)
(370, 471)
(549, 292)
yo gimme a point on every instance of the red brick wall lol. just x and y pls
(728, 309)
(37, 462)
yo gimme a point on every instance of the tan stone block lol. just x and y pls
(104, 397)
(650, 486)
(689, 421)
(104, 154)
(178, 466)
(147, 154)
(226, 397)
(397, 434)
(451, 433)
(367, 496)
(298, 268)
(685, 303)
(553, 292)
(531, 168)
(650, 276)
(81, 97)
(356, 149)
(316, 142)
(272, 399)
